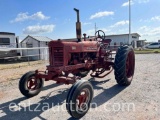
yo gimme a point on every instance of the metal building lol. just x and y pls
(35, 42)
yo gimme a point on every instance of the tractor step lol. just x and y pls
(111, 58)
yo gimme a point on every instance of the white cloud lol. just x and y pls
(105, 30)
(154, 31)
(120, 23)
(143, 1)
(144, 20)
(86, 23)
(91, 32)
(134, 1)
(144, 28)
(127, 3)
(149, 33)
(37, 29)
(156, 18)
(24, 16)
(101, 14)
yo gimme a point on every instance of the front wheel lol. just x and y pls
(124, 65)
(29, 86)
(79, 98)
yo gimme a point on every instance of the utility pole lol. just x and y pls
(129, 21)
(95, 28)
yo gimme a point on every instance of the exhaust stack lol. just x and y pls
(78, 26)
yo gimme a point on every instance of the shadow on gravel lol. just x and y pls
(104, 96)
(71, 118)
(34, 110)
(96, 83)
(51, 102)
(19, 110)
(50, 86)
(107, 93)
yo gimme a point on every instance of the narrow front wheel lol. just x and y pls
(29, 86)
(79, 98)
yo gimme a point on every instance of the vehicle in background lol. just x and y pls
(8, 40)
(153, 45)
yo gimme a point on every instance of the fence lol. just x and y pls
(24, 54)
(30, 54)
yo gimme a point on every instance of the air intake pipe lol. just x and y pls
(78, 26)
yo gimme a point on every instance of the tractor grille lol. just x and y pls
(57, 56)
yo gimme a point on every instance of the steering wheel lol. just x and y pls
(100, 36)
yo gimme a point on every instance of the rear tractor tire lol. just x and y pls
(124, 65)
(29, 86)
(79, 98)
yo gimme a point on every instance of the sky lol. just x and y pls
(56, 18)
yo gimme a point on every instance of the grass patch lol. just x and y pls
(147, 51)
(18, 65)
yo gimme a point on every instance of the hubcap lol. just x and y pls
(32, 83)
(82, 100)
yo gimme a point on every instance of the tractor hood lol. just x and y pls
(84, 46)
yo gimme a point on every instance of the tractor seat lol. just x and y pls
(107, 41)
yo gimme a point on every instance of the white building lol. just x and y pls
(118, 39)
(35, 42)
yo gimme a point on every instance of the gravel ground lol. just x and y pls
(139, 101)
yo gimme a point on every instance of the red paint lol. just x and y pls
(71, 57)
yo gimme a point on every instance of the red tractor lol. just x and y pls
(78, 58)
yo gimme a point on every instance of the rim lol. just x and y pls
(32, 83)
(130, 65)
(82, 101)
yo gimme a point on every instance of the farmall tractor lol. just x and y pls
(81, 57)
